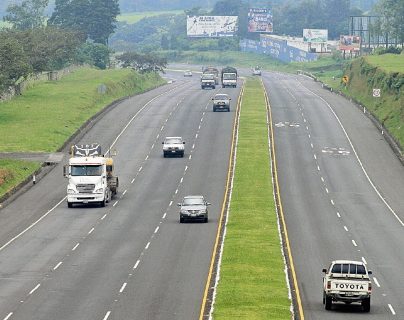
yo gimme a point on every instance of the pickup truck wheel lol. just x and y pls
(328, 303)
(366, 305)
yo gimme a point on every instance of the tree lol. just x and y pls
(13, 60)
(392, 19)
(96, 18)
(95, 54)
(28, 15)
(142, 62)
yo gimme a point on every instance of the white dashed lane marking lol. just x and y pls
(354, 243)
(8, 316)
(36, 287)
(123, 287)
(136, 264)
(58, 265)
(107, 315)
(392, 309)
(376, 282)
(75, 247)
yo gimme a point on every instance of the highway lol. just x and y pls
(131, 259)
(341, 187)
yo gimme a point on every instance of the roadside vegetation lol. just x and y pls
(45, 116)
(252, 279)
(13, 172)
(133, 17)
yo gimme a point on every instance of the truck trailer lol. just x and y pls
(229, 77)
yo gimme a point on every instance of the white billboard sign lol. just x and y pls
(315, 35)
(211, 26)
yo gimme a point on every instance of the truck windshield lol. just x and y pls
(208, 77)
(229, 76)
(86, 170)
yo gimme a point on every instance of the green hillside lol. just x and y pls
(384, 72)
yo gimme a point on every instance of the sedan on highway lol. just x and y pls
(221, 101)
(194, 208)
(188, 73)
(173, 146)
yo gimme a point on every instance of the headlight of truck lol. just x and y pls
(99, 190)
(71, 191)
(183, 211)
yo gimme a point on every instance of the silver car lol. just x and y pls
(194, 208)
(221, 101)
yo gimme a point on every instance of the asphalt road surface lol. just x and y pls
(131, 259)
(342, 193)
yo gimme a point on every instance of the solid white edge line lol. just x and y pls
(57, 266)
(32, 225)
(392, 309)
(123, 287)
(357, 157)
(107, 315)
(36, 287)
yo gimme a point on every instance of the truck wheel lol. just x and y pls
(366, 305)
(182, 220)
(323, 297)
(206, 220)
(103, 203)
(70, 205)
(328, 303)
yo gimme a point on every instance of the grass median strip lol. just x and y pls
(252, 279)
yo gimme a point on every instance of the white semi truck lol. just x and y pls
(91, 176)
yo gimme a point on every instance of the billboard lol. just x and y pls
(211, 26)
(260, 20)
(315, 35)
(349, 43)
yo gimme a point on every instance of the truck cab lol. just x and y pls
(90, 176)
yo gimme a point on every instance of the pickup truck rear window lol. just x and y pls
(350, 268)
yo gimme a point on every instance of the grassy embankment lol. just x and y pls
(385, 72)
(45, 116)
(252, 279)
(134, 17)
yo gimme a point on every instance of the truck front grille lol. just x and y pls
(85, 188)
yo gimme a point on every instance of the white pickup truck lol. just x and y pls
(347, 281)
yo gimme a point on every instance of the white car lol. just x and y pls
(256, 72)
(173, 146)
(188, 73)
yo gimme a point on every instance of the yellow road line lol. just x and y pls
(224, 206)
(279, 201)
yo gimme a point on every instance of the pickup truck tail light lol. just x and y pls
(328, 285)
(370, 287)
